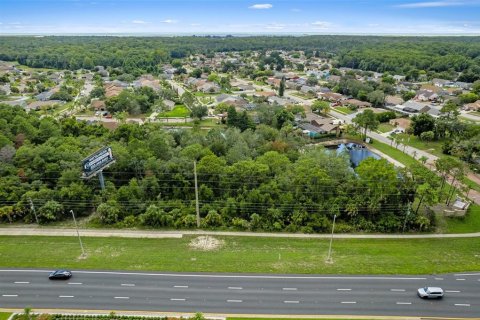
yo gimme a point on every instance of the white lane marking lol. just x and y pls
(397, 290)
(128, 285)
(21, 282)
(9, 295)
(225, 276)
(460, 279)
(238, 301)
(180, 286)
(452, 291)
(404, 303)
(344, 289)
(462, 304)
(291, 301)
(176, 299)
(438, 278)
(66, 296)
(235, 288)
(466, 274)
(348, 302)
(289, 289)
(75, 283)
(121, 297)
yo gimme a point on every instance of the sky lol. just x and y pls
(240, 17)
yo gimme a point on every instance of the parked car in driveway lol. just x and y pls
(430, 293)
(60, 275)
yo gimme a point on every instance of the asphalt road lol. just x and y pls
(241, 293)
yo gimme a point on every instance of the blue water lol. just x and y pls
(357, 153)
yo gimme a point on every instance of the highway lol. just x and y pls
(242, 293)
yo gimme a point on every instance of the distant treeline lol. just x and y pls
(135, 55)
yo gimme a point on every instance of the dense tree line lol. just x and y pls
(259, 179)
(441, 56)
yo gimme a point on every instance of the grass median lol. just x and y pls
(5, 315)
(246, 254)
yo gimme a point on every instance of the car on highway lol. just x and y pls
(430, 293)
(60, 275)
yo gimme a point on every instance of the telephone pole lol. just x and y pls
(197, 208)
(78, 233)
(33, 209)
(329, 258)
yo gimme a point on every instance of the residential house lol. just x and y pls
(355, 103)
(37, 105)
(331, 96)
(279, 101)
(44, 96)
(231, 100)
(209, 87)
(314, 125)
(393, 100)
(264, 94)
(475, 106)
(113, 89)
(98, 105)
(441, 82)
(147, 81)
(426, 95)
(169, 104)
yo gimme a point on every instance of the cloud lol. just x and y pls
(139, 22)
(275, 26)
(169, 21)
(321, 24)
(431, 4)
(261, 6)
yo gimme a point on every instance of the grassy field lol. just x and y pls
(395, 153)
(210, 123)
(246, 254)
(469, 223)
(178, 111)
(4, 315)
(385, 127)
(344, 110)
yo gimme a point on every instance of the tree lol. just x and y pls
(427, 136)
(422, 123)
(366, 120)
(476, 87)
(321, 106)
(427, 194)
(312, 80)
(281, 88)
(188, 98)
(199, 112)
(377, 98)
(407, 95)
(450, 110)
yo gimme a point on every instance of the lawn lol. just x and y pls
(204, 123)
(178, 111)
(246, 254)
(4, 315)
(395, 153)
(343, 110)
(433, 147)
(385, 127)
(469, 223)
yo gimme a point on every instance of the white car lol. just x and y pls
(430, 293)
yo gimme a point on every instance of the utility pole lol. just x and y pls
(78, 233)
(329, 258)
(33, 209)
(197, 208)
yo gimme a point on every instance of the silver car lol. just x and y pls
(430, 293)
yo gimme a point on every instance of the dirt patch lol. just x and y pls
(206, 243)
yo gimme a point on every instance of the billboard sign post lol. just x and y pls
(94, 164)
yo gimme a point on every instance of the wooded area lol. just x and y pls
(439, 56)
(258, 179)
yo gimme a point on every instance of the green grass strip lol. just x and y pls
(246, 254)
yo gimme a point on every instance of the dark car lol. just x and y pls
(60, 275)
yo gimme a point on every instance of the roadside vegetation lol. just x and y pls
(5, 315)
(245, 254)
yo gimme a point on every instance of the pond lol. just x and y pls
(357, 152)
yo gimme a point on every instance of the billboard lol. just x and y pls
(97, 161)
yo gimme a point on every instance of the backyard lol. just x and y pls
(178, 111)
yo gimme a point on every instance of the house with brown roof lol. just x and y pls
(98, 105)
(355, 103)
(331, 96)
(475, 106)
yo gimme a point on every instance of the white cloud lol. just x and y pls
(139, 22)
(169, 21)
(321, 24)
(431, 4)
(275, 26)
(261, 6)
